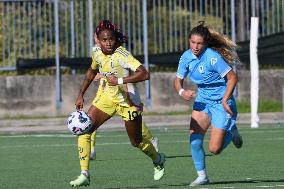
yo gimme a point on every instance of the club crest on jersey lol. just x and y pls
(213, 61)
(201, 69)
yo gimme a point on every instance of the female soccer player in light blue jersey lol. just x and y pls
(207, 63)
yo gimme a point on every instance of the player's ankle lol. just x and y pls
(86, 173)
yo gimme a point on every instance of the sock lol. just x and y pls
(234, 131)
(197, 151)
(84, 148)
(86, 173)
(147, 148)
(202, 173)
(93, 141)
(227, 140)
(146, 132)
(158, 159)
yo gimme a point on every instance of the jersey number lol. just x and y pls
(132, 115)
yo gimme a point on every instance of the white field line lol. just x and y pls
(264, 186)
(118, 136)
(173, 132)
(99, 144)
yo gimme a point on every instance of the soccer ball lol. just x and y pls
(79, 123)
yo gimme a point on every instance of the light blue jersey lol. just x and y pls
(207, 71)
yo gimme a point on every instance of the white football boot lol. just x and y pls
(159, 168)
(201, 180)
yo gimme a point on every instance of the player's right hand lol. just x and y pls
(188, 95)
(79, 102)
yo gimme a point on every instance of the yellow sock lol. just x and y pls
(84, 148)
(147, 148)
(146, 132)
(93, 140)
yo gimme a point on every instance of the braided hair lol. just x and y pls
(107, 24)
(219, 42)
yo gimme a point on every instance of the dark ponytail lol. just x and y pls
(107, 24)
(217, 41)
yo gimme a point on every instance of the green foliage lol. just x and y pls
(271, 66)
(33, 37)
(264, 106)
(243, 106)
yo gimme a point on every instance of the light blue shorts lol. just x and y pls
(215, 110)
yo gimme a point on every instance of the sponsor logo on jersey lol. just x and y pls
(106, 74)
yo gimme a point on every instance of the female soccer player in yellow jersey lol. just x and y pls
(118, 95)
(145, 131)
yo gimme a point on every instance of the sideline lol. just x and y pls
(162, 122)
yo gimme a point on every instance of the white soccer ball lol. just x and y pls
(79, 123)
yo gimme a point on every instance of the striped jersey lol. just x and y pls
(120, 64)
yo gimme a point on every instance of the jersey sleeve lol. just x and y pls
(182, 70)
(126, 60)
(220, 65)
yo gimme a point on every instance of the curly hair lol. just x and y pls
(219, 42)
(107, 24)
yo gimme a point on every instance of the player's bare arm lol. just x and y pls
(232, 80)
(89, 77)
(185, 94)
(141, 74)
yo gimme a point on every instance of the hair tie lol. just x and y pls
(201, 23)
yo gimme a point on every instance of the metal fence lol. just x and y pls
(28, 26)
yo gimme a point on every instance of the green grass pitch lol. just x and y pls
(51, 161)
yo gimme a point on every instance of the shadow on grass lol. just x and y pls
(252, 181)
(154, 186)
(182, 156)
(210, 184)
(168, 157)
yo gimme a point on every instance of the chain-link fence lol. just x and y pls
(28, 26)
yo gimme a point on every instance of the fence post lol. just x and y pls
(91, 40)
(254, 69)
(148, 102)
(58, 70)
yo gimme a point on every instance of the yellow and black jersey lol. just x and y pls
(120, 64)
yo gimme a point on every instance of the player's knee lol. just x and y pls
(214, 149)
(135, 143)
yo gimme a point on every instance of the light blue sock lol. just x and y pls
(197, 151)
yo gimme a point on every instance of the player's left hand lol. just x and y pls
(112, 80)
(227, 107)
